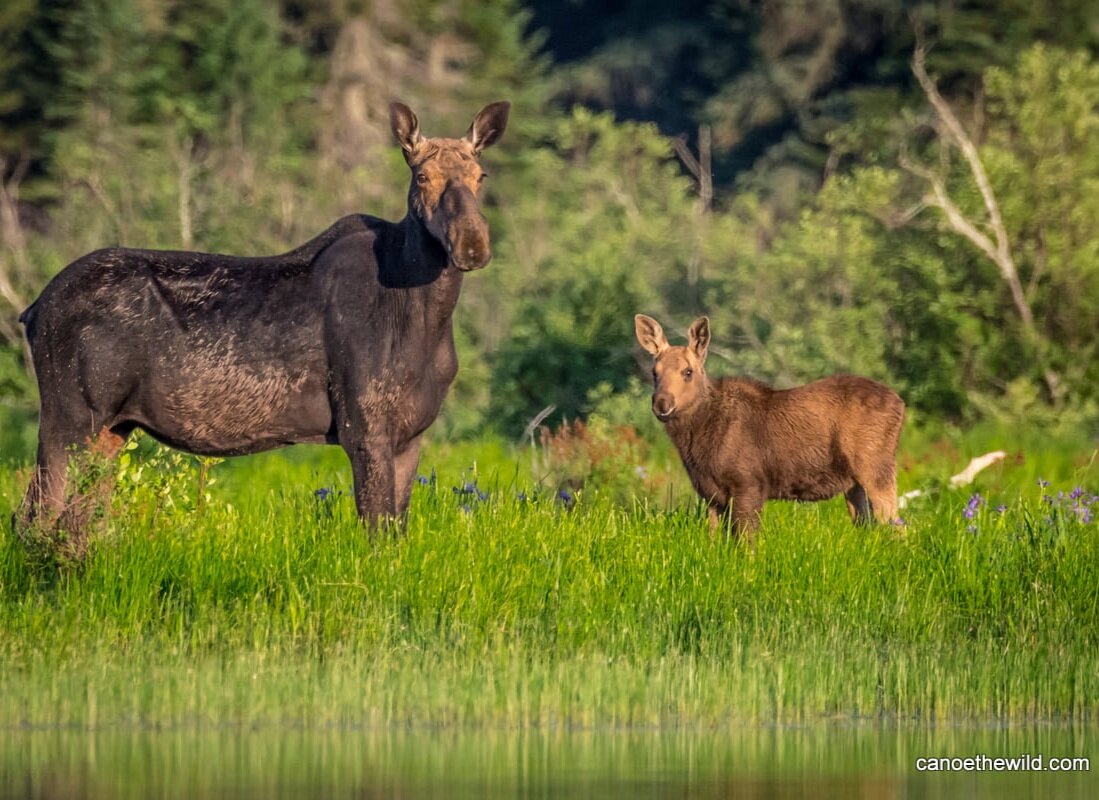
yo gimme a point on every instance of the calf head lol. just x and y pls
(446, 180)
(679, 373)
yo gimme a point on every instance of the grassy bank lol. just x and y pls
(508, 604)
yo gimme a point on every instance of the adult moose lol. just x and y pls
(346, 340)
(743, 442)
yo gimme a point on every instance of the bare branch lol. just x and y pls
(1000, 252)
(683, 150)
(997, 247)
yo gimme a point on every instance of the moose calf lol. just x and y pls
(744, 442)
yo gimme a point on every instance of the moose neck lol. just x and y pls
(421, 265)
(689, 428)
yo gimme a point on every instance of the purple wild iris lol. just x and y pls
(1000, 509)
(972, 506)
(1043, 483)
(324, 493)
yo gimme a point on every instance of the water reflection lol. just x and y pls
(824, 761)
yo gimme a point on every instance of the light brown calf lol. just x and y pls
(744, 442)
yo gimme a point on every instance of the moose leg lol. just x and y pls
(46, 502)
(404, 469)
(372, 474)
(747, 508)
(45, 497)
(883, 495)
(858, 505)
(719, 519)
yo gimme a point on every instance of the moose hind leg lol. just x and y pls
(858, 504)
(883, 493)
(47, 502)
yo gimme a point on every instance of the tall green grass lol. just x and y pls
(268, 604)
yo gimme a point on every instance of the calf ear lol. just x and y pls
(405, 127)
(488, 126)
(650, 335)
(698, 337)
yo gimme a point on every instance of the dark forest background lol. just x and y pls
(908, 190)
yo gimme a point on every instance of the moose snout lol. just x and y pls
(663, 405)
(466, 229)
(470, 249)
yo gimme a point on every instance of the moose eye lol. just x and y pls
(687, 373)
(421, 178)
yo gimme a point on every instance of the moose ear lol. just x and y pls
(405, 127)
(698, 337)
(650, 335)
(488, 125)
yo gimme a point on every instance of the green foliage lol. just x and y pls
(156, 483)
(606, 233)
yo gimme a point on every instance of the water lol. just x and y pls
(822, 761)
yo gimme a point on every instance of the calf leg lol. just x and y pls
(719, 518)
(884, 503)
(747, 508)
(858, 504)
(879, 478)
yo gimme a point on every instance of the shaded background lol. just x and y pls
(812, 239)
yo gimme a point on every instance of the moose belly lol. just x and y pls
(809, 487)
(236, 409)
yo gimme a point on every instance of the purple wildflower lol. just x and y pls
(566, 498)
(1043, 483)
(1000, 509)
(972, 506)
(1076, 493)
(324, 493)
(422, 480)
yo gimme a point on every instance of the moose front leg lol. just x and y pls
(373, 476)
(719, 520)
(405, 463)
(747, 508)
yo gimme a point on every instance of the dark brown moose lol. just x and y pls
(346, 340)
(744, 442)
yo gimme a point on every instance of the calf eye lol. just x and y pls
(687, 373)
(421, 178)
(482, 178)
